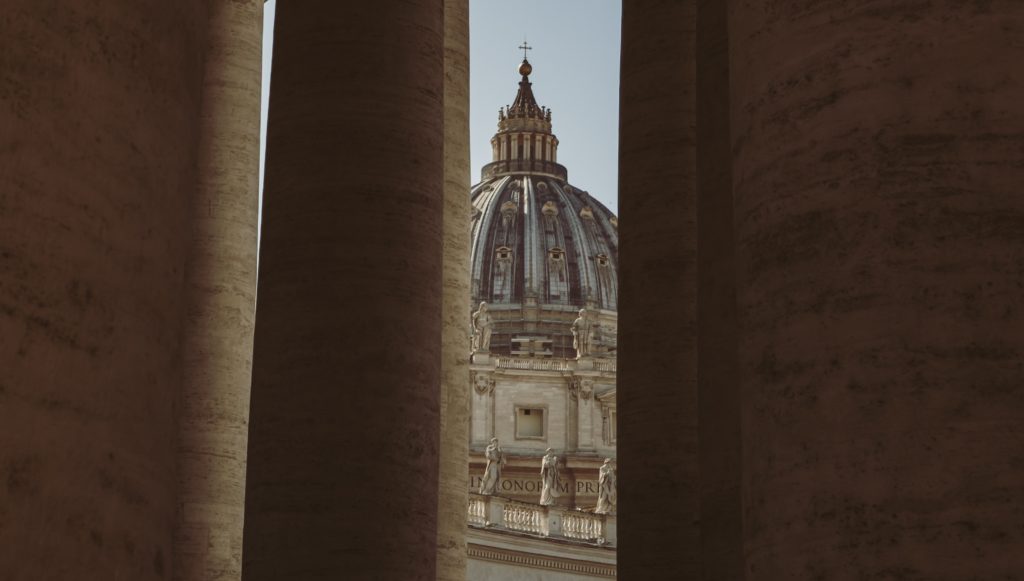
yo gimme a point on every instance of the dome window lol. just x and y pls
(542, 188)
(586, 213)
(503, 254)
(549, 209)
(602, 260)
(556, 254)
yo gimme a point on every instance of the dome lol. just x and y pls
(542, 249)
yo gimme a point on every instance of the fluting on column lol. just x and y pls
(657, 444)
(453, 496)
(879, 228)
(221, 300)
(98, 123)
(344, 429)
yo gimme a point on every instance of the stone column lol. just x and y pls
(453, 492)
(657, 443)
(342, 479)
(221, 301)
(880, 244)
(721, 518)
(98, 126)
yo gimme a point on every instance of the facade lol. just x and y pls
(543, 275)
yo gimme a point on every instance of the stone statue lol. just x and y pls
(549, 478)
(482, 325)
(492, 472)
(582, 334)
(605, 488)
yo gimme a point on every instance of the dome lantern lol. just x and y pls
(524, 141)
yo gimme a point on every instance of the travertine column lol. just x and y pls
(657, 442)
(453, 496)
(221, 295)
(721, 522)
(880, 244)
(98, 123)
(342, 479)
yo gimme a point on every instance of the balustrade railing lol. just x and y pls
(524, 165)
(533, 364)
(562, 365)
(524, 517)
(495, 512)
(477, 511)
(583, 526)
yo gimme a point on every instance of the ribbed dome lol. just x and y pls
(542, 249)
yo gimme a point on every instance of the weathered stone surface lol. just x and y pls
(455, 390)
(344, 427)
(221, 295)
(98, 110)
(880, 254)
(657, 444)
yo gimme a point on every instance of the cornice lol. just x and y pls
(545, 562)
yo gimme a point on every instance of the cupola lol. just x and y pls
(524, 142)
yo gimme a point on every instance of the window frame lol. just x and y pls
(543, 424)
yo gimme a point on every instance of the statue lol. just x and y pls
(605, 488)
(582, 334)
(482, 324)
(549, 478)
(492, 472)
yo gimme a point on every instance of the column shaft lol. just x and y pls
(98, 126)
(453, 496)
(721, 521)
(342, 478)
(657, 443)
(221, 296)
(880, 228)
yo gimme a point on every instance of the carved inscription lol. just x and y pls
(529, 485)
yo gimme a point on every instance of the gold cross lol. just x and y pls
(525, 48)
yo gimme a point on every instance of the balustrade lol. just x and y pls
(555, 522)
(533, 364)
(525, 166)
(477, 511)
(582, 526)
(524, 517)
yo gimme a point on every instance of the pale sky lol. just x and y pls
(575, 60)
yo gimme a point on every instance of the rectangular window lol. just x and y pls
(530, 423)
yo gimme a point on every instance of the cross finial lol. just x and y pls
(525, 48)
